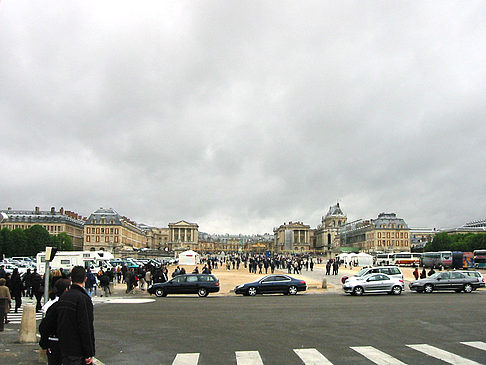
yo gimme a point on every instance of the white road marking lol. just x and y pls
(443, 355)
(248, 358)
(312, 357)
(186, 359)
(476, 344)
(377, 356)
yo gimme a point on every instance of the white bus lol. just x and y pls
(407, 259)
(93, 260)
(385, 259)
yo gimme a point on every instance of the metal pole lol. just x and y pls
(46, 283)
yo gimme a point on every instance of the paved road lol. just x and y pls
(272, 329)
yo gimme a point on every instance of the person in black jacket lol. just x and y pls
(48, 327)
(75, 322)
(38, 289)
(16, 288)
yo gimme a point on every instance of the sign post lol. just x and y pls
(50, 253)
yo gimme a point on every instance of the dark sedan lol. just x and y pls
(272, 284)
(448, 280)
(200, 284)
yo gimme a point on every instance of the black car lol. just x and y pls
(447, 280)
(200, 284)
(272, 284)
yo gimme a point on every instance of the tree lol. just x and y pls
(62, 241)
(38, 239)
(441, 242)
(18, 243)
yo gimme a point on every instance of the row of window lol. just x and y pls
(393, 234)
(102, 230)
(392, 242)
(49, 228)
(98, 239)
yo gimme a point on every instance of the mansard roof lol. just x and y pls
(387, 219)
(109, 215)
(335, 210)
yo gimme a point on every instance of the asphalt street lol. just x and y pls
(274, 326)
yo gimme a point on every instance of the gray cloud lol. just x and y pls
(243, 115)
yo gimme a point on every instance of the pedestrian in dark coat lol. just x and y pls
(16, 288)
(49, 340)
(38, 289)
(75, 322)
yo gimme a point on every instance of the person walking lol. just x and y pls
(105, 284)
(37, 289)
(416, 274)
(5, 293)
(48, 327)
(423, 274)
(16, 288)
(91, 283)
(27, 282)
(75, 328)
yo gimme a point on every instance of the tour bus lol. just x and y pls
(384, 259)
(93, 260)
(407, 259)
(462, 260)
(480, 259)
(437, 259)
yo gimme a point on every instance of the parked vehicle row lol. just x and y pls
(389, 279)
(203, 284)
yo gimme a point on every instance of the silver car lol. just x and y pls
(373, 283)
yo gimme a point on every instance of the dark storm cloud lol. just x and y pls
(242, 115)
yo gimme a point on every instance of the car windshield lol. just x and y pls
(434, 276)
(362, 272)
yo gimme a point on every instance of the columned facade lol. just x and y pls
(292, 237)
(183, 235)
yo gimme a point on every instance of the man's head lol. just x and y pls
(78, 275)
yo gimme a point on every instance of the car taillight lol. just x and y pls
(217, 283)
(302, 282)
(401, 281)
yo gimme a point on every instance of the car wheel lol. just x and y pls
(428, 288)
(292, 290)
(159, 292)
(468, 288)
(252, 291)
(202, 292)
(358, 290)
(396, 290)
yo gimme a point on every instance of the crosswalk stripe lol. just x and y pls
(377, 356)
(186, 359)
(312, 357)
(443, 355)
(248, 358)
(476, 344)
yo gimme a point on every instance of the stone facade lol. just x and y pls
(183, 236)
(387, 233)
(327, 233)
(293, 237)
(53, 221)
(106, 230)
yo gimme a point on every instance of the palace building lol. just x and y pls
(53, 221)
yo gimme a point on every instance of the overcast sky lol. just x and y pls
(242, 115)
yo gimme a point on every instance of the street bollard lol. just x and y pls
(28, 325)
(324, 283)
(3, 307)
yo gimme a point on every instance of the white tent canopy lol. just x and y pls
(362, 258)
(189, 258)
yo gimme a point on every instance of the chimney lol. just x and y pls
(9, 209)
(53, 210)
(61, 210)
(36, 210)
